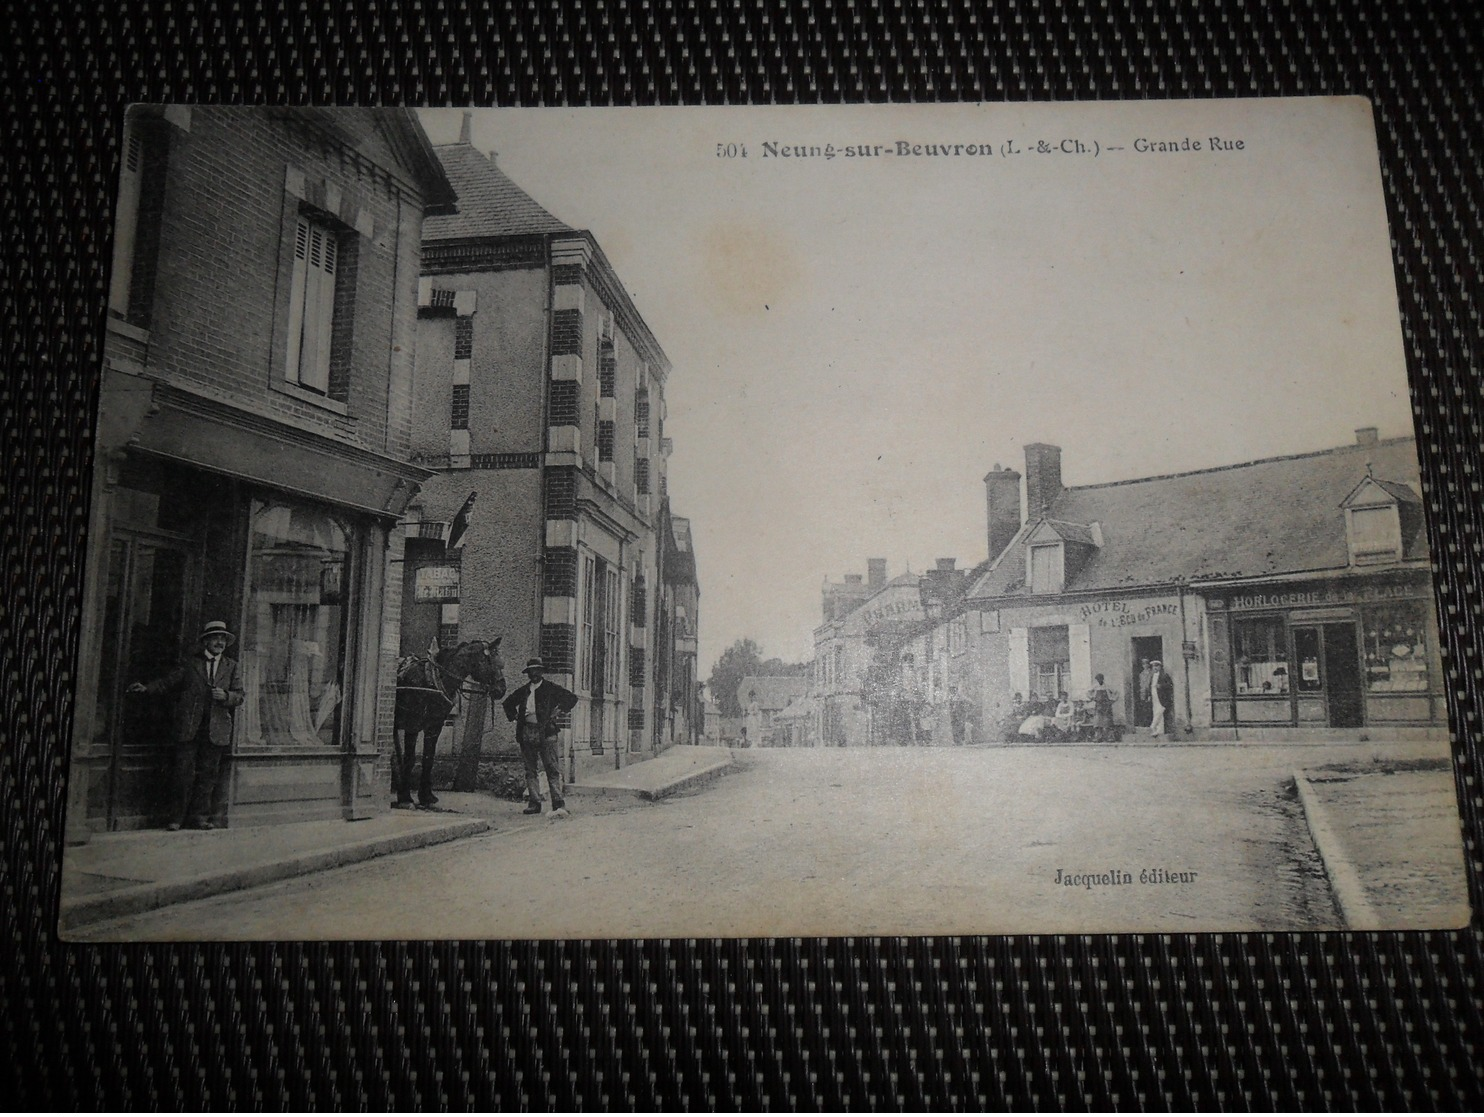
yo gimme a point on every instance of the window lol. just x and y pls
(585, 641)
(1261, 649)
(1375, 534)
(317, 297)
(1050, 660)
(1306, 657)
(611, 612)
(293, 643)
(1396, 651)
(1045, 564)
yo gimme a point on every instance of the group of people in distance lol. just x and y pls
(1061, 718)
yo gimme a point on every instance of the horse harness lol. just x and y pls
(428, 663)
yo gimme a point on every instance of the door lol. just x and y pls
(1138, 705)
(1342, 665)
(149, 610)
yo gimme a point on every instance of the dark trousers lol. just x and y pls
(197, 764)
(537, 754)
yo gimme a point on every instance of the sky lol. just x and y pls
(857, 340)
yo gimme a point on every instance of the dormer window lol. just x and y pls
(1374, 514)
(1046, 567)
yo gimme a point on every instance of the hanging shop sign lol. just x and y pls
(436, 583)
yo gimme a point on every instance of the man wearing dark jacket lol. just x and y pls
(534, 709)
(207, 689)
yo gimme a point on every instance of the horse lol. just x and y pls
(426, 689)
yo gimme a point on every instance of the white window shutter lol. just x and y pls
(126, 224)
(319, 372)
(1020, 662)
(296, 301)
(1079, 641)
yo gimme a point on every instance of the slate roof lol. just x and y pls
(490, 203)
(774, 692)
(1270, 517)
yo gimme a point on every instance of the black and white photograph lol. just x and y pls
(612, 523)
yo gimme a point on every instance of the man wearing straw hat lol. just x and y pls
(534, 709)
(207, 689)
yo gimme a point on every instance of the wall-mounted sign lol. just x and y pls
(436, 583)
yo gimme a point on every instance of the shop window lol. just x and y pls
(293, 643)
(320, 295)
(1050, 661)
(1306, 657)
(1396, 652)
(1260, 648)
(1046, 568)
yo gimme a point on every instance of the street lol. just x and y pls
(846, 842)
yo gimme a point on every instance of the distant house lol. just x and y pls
(1287, 592)
(763, 698)
(793, 726)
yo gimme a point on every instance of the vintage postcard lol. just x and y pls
(718, 522)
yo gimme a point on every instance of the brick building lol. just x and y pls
(253, 445)
(541, 389)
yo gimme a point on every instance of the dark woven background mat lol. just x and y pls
(1238, 1021)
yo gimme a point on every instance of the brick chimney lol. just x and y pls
(945, 565)
(875, 574)
(1042, 478)
(1367, 436)
(1001, 507)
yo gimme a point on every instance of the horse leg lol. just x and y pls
(402, 766)
(425, 796)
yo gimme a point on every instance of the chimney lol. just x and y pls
(1002, 507)
(945, 566)
(466, 129)
(875, 574)
(853, 579)
(1042, 478)
(1366, 436)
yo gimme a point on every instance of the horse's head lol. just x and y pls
(487, 668)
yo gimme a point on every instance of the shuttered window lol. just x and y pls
(312, 306)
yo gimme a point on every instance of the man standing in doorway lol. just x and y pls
(208, 688)
(534, 709)
(1162, 694)
(1143, 698)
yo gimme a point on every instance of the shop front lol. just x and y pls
(1344, 653)
(290, 577)
(288, 546)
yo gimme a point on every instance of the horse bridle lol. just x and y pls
(458, 690)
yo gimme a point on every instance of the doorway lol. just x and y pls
(1138, 706)
(1342, 666)
(149, 610)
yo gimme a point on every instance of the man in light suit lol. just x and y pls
(207, 689)
(534, 709)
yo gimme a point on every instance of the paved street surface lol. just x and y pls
(850, 841)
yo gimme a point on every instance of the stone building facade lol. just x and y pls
(541, 392)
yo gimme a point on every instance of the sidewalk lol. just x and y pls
(126, 873)
(115, 875)
(677, 769)
(1390, 840)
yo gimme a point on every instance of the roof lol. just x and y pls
(774, 692)
(374, 132)
(800, 708)
(1268, 517)
(490, 203)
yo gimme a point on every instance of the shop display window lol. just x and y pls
(1261, 653)
(1396, 648)
(293, 644)
(1306, 656)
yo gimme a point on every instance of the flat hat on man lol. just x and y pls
(216, 628)
(534, 663)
